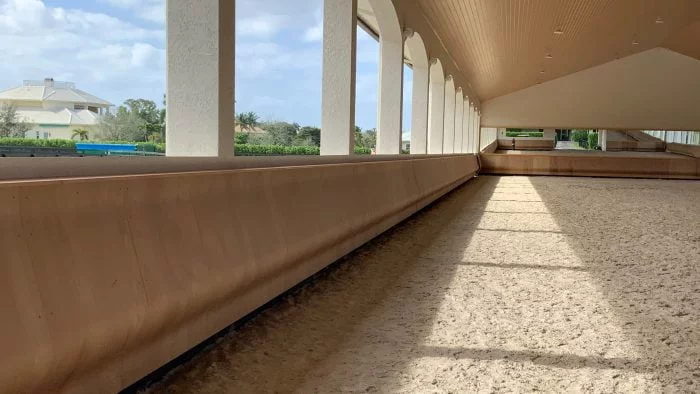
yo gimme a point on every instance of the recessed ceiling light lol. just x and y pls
(548, 56)
(558, 31)
(659, 20)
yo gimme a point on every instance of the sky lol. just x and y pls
(115, 49)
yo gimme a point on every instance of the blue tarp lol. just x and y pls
(107, 147)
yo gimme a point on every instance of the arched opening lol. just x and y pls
(449, 139)
(406, 110)
(459, 114)
(417, 59)
(436, 107)
(366, 90)
(381, 17)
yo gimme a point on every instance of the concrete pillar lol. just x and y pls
(436, 108)
(603, 140)
(466, 118)
(338, 90)
(419, 106)
(459, 119)
(550, 134)
(390, 100)
(478, 130)
(200, 77)
(448, 145)
(470, 129)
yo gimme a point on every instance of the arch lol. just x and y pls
(417, 58)
(448, 142)
(387, 21)
(390, 97)
(459, 117)
(436, 107)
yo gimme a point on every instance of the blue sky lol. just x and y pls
(115, 49)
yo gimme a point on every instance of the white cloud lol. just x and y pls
(315, 32)
(105, 55)
(260, 26)
(150, 10)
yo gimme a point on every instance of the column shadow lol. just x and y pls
(640, 242)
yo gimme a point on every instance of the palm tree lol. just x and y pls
(82, 134)
(248, 121)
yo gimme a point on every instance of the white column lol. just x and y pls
(466, 118)
(448, 143)
(549, 134)
(436, 110)
(477, 127)
(338, 90)
(419, 106)
(459, 119)
(603, 136)
(200, 77)
(390, 100)
(470, 129)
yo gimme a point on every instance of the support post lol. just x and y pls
(200, 77)
(419, 108)
(436, 109)
(338, 90)
(390, 100)
(465, 126)
(449, 127)
(603, 140)
(478, 130)
(459, 119)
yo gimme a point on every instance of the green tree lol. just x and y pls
(368, 139)
(153, 118)
(11, 124)
(125, 125)
(248, 121)
(359, 138)
(80, 134)
(241, 138)
(281, 133)
(581, 137)
(592, 140)
(312, 134)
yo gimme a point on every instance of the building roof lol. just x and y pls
(50, 90)
(63, 116)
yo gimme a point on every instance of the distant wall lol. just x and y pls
(688, 150)
(653, 90)
(59, 132)
(591, 164)
(106, 279)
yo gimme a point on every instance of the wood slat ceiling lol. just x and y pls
(501, 45)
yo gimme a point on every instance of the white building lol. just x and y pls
(54, 109)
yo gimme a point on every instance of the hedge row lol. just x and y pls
(279, 150)
(241, 149)
(35, 143)
(524, 134)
